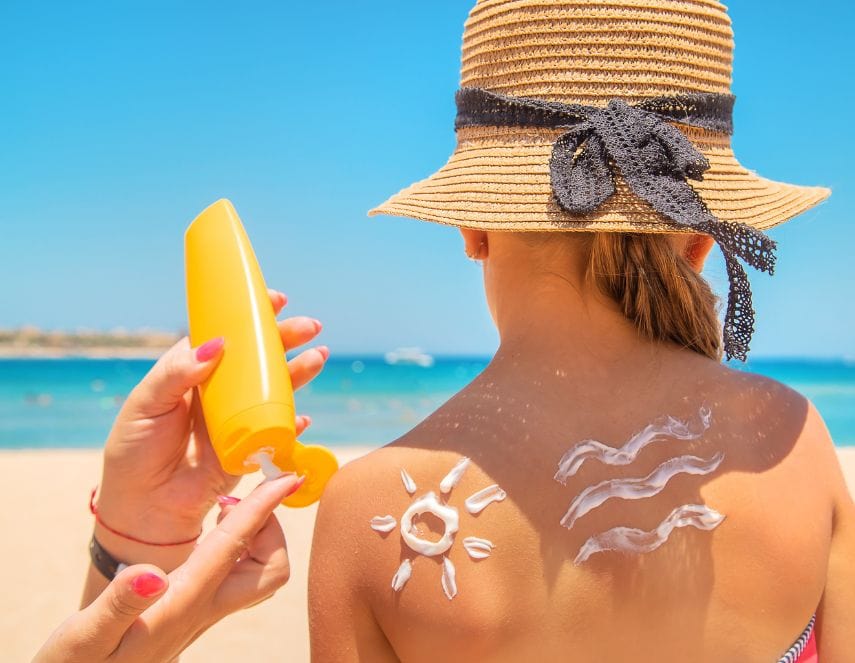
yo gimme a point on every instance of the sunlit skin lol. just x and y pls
(570, 367)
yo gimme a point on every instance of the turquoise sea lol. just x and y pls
(50, 403)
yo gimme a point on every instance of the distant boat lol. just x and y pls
(409, 356)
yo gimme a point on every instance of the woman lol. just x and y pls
(160, 478)
(606, 490)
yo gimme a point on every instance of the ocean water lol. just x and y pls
(51, 403)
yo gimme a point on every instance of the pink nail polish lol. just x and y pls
(225, 500)
(318, 325)
(296, 486)
(148, 584)
(209, 350)
(324, 350)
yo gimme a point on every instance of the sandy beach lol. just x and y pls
(46, 530)
(46, 527)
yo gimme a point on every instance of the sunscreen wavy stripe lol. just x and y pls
(637, 488)
(674, 428)
(631, 540)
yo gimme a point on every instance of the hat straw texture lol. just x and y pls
(588, 52)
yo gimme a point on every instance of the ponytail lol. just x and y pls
(657, 289)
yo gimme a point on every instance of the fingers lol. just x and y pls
(180, 369)
(227, 503)
(110, 615)
(256, 577)
(278, 299)
(266, 545)
(191, 605)
(215, 557)
(307, 365)
(204, 456)
(298, 331)
(295, 331)
(303, 421)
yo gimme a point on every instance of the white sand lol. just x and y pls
(46, 527)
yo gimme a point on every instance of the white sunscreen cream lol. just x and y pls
(479, 501)
(628, 539)
(634, 489)
(594, 450)
(409, 484)
(449, 516)
(449, 578)
(477, 548)
(402, 575)
(631, 540)
(264, 459)
(383, 523)
(453, 477)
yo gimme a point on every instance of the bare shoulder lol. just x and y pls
(752, 394)
(376, 483)
(346, 555)
(366, 483)
(356, 490)
(359, 517)
(770, 423)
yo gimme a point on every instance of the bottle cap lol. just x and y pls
(314, 462)
(269, 425)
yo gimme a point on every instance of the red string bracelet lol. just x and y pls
(94, 511)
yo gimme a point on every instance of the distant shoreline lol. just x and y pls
(30, 342)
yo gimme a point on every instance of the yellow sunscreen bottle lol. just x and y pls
(248, 401)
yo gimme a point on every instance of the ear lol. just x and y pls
(475, 243)
(697, 249)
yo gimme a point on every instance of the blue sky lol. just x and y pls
(122, 120)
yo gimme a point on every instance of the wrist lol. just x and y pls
(130, 552)
(142, 534)
(143, 519)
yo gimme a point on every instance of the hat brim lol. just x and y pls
(498, 179)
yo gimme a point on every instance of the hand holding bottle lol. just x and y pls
(160, 474)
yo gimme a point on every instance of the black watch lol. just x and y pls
(108, 565)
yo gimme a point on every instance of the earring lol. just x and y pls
(478, 252)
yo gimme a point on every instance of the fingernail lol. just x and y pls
(324, 350)
(148, 584)
(307, 420)
(282, 297)
(225, 500)
(318, 325)
(293, 489)
(209, 350)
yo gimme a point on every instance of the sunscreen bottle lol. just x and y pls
(248, 401)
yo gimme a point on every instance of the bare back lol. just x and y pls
(743, 589)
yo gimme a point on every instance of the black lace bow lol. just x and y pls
(653, 157)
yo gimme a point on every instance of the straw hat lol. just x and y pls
(589, 52)
(595, 115)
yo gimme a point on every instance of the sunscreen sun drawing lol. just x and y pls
(476, 547)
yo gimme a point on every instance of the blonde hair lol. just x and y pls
(657, 289)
